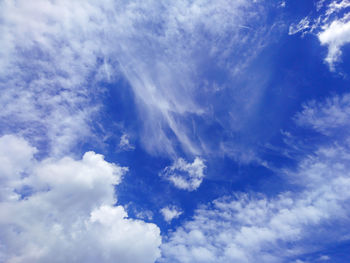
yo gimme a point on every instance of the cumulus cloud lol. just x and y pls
(170, 212)
(183, 175)
(256, 228)
(63, 210)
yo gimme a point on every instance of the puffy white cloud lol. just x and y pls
(170, 212)
(335, 35)
(63, 210)
(183, 175)
(332, 29)
(255, 228)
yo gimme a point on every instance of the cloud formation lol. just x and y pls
(63, 210)
(329, 117)
(55, 55)
(170, 212)
(124, 143)
(183, 175)
(332, 28)
(257, 228)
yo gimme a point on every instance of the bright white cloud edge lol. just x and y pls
(63, 210)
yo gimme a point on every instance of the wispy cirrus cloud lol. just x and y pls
(165, 59)
(54, 56)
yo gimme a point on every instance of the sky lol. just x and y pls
(174, 131)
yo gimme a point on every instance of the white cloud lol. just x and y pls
(332, 29)
(303, 25)
(54, 55)
(326, 117)
(49, 52)
(164, 74)
(337, 6)
(125, 144)
(170, 212)
(183, 175)
(335, 35)
(255, 228)
(62, 210)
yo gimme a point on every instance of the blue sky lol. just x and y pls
(183, 131)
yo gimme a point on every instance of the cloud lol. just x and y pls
(328, 117)
(335, 35)
(332, 28)
(49, 53)
(168, 77)
(170, 212)
(63, 210)
(302, 26)
(183, 175)
(125, 144)
(252, 227)
(145, 215)
(55, 57)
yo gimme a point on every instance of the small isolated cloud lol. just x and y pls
(170, 212)
(145, 215)
(125, 144)
(64, 210)
(183, 175)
